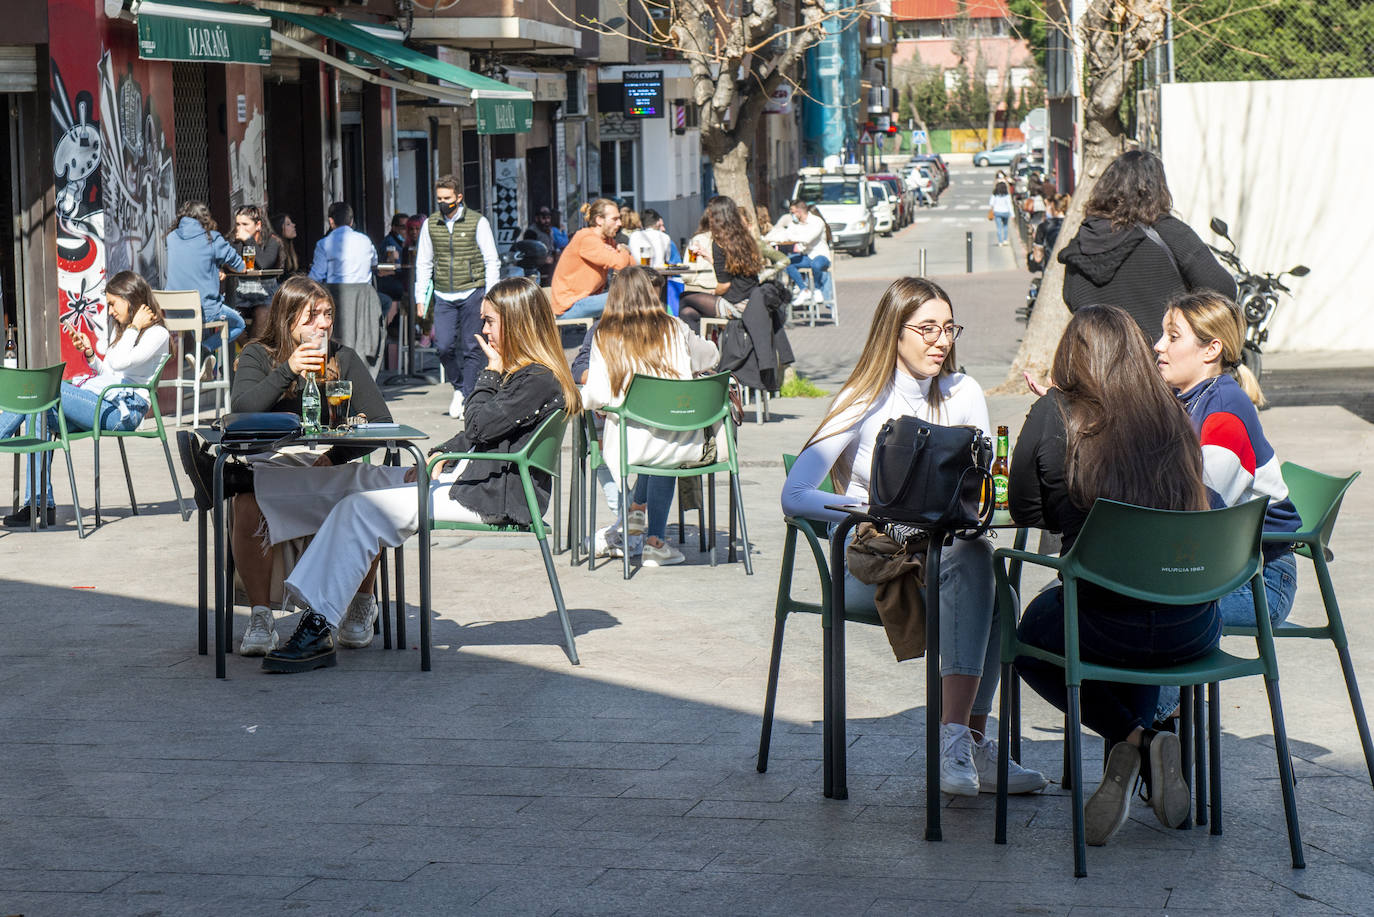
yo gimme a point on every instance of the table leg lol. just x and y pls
(933, 694)
(422, 485)
(202, 577)
(221, 587)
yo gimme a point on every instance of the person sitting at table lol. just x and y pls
(197, 257)
(138, 341)
(805, 239)
(354, 512)
(344, 261)
(254, 294)
(269, 376)
(541, 230)
(907, 367)
(734, 256)
(636, 335)
(285, 230)
(393, 252)
(650, 241)
(579, 281)
(1111, 428)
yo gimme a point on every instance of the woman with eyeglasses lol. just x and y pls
(907, 368)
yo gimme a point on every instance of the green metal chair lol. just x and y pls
(157, 432)
(1167, 558)
(1318, 499)
(33, 392)
(683, 405)
(541, 453)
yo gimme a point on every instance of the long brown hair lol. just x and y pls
(1128, 437)
(529, 334)
(295, 295)
(289, 262)
(1132, 190)
(197, 211)
(873, 372)
(134, 290)
(592, 210)
(634, 331)
(736, 240)
(254, 213)
(1212, 317)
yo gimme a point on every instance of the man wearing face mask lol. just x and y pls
(458, 260)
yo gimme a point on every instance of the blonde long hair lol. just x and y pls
(873, 372)
(529, 334)
(635, 330)
(1213, 317)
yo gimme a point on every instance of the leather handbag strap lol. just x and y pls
(1153, 235)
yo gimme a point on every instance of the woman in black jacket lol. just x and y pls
(356, 510)
(1131, 252)
(253, 295)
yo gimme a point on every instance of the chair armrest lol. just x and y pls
(468, 456)
(1030, 557)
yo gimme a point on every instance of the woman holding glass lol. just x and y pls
(260, 250)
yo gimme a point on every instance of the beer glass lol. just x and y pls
(338, 394)
(644, 260)
(250, 257)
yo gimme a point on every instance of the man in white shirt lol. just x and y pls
(344, 255)
(458, 262)
(651, 241)
(805, 234)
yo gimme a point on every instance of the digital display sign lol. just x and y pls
(643, 93)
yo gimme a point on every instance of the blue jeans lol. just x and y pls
(820, 270)
(1001, 219)
(586, 307)
(970, 632)
(79, 406)
(1238, 610)
(236, 324)
(1114, 631)
(656, 492)
(456, 324)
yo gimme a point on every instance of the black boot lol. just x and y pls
(310, 647)
(20, 520)
(199, 466)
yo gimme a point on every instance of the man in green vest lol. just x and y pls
(457, 255)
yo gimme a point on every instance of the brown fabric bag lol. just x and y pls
(897, 570)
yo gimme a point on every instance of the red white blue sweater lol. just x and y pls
(1238, 464)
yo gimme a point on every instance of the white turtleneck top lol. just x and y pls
(852, 435)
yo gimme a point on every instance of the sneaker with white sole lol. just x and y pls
(1019, 779)
(1169, 794)
(606, 543)
(637, 521)
(355, 630)
(663, 555)
(958, 775)
(1106, 810)
(261, 636)
(455, 407)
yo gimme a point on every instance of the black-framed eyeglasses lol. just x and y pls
(931, 333)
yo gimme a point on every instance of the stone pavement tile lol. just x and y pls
(430, 809)
(56, 880)
(1242, 893)
(585, 808)
(33, 904)
(210, 885)
(802, 808)
(919, 907)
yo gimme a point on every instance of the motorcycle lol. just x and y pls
(525, 259)
(1257, 296)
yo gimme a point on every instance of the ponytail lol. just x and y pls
(592, 209)
(1248, 384)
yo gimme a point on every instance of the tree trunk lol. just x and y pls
(730, 162)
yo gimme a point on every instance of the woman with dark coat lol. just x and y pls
(1132, 252)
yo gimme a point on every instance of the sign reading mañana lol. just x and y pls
(180, 39)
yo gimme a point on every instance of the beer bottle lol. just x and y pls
(1001, 469)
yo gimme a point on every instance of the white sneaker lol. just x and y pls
(637, 521)
(455, 407)
(355, 630)
(606, 543)
(800, 295)
(817, 297)
(664, 555)
(207, 369)
(1019, 779)
(261, 636)
(958, 775)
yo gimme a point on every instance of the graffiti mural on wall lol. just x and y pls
(137, 181)
(248, 184)
(80, 220)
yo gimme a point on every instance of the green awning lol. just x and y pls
(501, 108)
(189, 30)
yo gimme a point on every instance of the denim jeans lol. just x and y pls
(79, 407)
(235, 326)
(456, 322)
(1238, 610)
(1001, 219)
(587, 307)
(656, 492)
(970, 635)
(1114, 631)
(820, 269)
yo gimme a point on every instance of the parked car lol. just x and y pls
(941, 170)
(844, 201)
(884, 209)
(904, 197)
(1000, 155)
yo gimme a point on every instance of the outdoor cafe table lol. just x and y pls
(833, 740)
(392, 437)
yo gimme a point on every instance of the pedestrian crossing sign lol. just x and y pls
(919, 138)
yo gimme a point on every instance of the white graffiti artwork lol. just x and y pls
(80, 221)
(247, 181)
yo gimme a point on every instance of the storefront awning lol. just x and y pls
(188, 30)
(501, 109)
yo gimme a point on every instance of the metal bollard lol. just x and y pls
(968, 251)
(920, 262)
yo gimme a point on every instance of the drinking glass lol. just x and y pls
(645, 260)
(337, 394)
(250, 257)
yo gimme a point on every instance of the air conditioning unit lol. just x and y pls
(576, 103)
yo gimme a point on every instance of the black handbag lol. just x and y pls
(932, 476)
(257, 429)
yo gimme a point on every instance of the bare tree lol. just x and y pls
(739, 52)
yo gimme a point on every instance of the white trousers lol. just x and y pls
(355, 511)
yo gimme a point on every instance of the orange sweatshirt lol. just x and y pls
(582, 267)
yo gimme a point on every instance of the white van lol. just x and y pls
(845, 203)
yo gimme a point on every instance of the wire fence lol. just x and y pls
(1225, 40)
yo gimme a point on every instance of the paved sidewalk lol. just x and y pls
(506, 781)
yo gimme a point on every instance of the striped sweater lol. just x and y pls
(1238, 464)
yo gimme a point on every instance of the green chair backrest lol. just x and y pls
(788, 460)
(677, 404)
(543, 448)
(30, 391)
(1317, 497)
(1168, 557)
